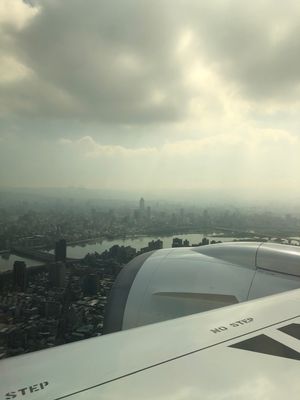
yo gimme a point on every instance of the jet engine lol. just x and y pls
(171, 283)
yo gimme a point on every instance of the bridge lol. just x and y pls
(38, 255)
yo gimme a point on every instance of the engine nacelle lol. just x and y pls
(171, 283)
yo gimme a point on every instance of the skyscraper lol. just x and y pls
(177, 242)
(90, 285)
(60, 250)
(20, 275)
(142, 205)
(149, 212)
(57, 272)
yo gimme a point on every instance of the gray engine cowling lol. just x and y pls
(171, 283)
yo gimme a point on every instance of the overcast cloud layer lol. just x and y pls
(151, 95)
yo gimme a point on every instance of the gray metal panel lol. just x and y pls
(242, 254)
(279, 258)
(117, 300)
(182, 271)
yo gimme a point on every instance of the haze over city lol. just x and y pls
(151, 97)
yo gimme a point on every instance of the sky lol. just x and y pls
(155, 96)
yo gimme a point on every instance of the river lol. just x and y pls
(80, 250)
(7, 261)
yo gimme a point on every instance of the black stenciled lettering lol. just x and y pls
(23, 391)
(11, 395)
(26, 390)
(222, 328)
(34, 388)
(219, 329)
(44, 384)
(241, 322)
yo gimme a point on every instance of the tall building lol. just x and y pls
(177, 242)
(205, 241)
(155, 245)
(186, 243)
(20, 275)
(60, 250)
(142, 205)
(149, 212)
(90, 286)
(57, 273)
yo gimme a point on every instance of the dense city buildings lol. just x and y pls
(59, 305)
(38, 226)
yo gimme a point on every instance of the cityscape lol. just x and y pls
(49, 297)
(149, 176)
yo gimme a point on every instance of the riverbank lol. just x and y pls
(110, 238)
(138, 242)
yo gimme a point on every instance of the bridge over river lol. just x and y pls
(38, 255)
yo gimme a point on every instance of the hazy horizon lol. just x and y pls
(115, 198)
(151, 98)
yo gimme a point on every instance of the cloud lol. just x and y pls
(255, 139)
(92, 149)
(11, 70)
(251, 165)
(253, 44)
(114, 61)
(15, 14)
(172, 89)
(126, 61)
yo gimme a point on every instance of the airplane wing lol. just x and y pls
(247, 351)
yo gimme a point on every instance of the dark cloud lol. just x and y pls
(115, 62)
(149, 94)
(111, 61)
(254, 44)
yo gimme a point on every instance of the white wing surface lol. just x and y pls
(245, 351)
